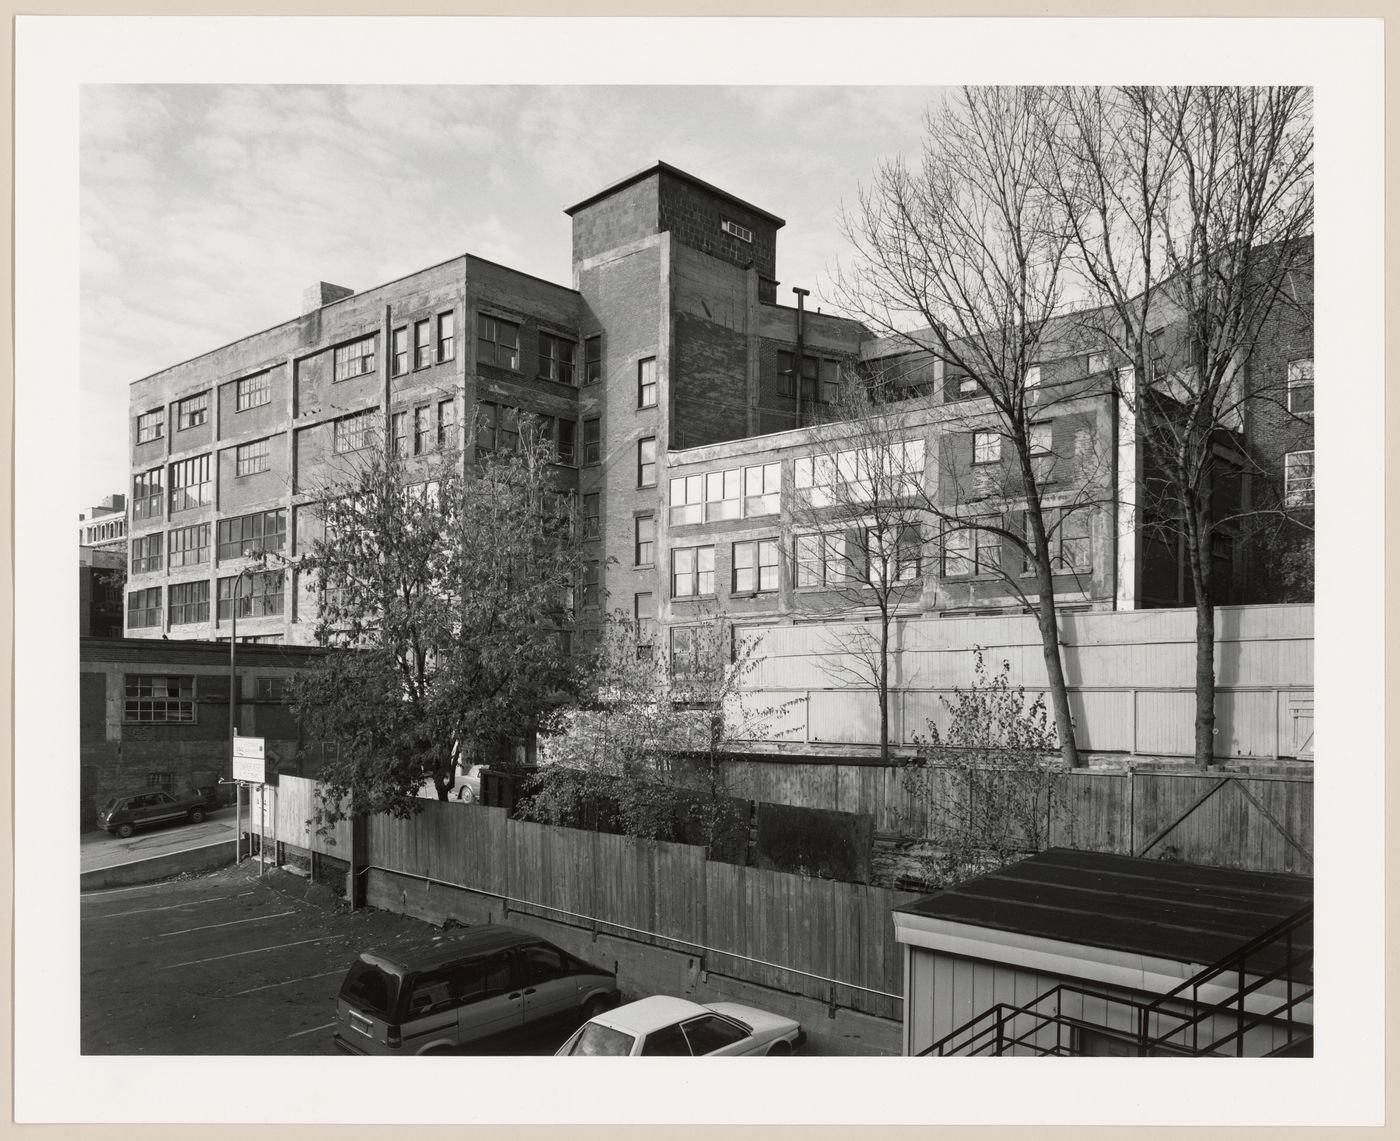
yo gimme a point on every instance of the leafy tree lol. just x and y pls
(447, 591)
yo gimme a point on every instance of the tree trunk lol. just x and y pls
(1050, 633)
(1198, 552)
(884, 686)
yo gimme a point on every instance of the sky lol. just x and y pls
(205, 210)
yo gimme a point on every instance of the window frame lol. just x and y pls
(694, 573)
(645, 400)
(991, 453)
(138, 602)
(648, 542)
(1298, 382)
(446, 347)
(253, 534)
(645, 465)
(352, 432)
(496, 326)
(422, 344)
(191, 500)
(552, 364)
(150, 426)
(258, 601)
(144, 699)
(399, 355)
(244, 458)
(592, 440)
(252, 391)
(591, 515)
(188, 612)
(185, 559)
(341, 355)
(192, 411)
(1046, 428)
(592, 361)
(1304, 496)
(148, 552)
(754, 552)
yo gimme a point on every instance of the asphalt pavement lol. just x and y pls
(103, 850)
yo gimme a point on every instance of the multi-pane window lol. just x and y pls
(644, 541)
(146, 553)
(1157, 354)
(399, 351)
(592, 360)
(1070, 544)
(497, 342)
(762, 484)
(893, 554)
(497, 428)
(1032, 377)
(1098, 361)
(1300, 387)
(692, 572)
(590, 583)
(743, 233)
(398, 433)
(644, 614)
(192, 411)
(564, 450)
(821, 377)
(258, 533)
(831, 380)
(422, 430)
(646, 462)
(272, 689)
(826, 560)
(261, 596)
(150, 426)
(986, 447)
(143, 607)
(446, 336)
(422, 344)
(733, 494)
(253, 391)
(847, 477)
(556, 358)
(755, 566)
(190, 485)
(646, 383)
(161, 779)
(354, 359)
(251, 458)
(692, 652)
(592, 508)
(148, 494)
(447, 424)
(1041, 438)
(153, 697)
(592, 441)
(354, 432)
(970, 550)
(189, 602)
(189, 546)
(1298, 479)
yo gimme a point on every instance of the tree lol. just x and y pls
(446, 590)
(1190, 213)
(969, 246)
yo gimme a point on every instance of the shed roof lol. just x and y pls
(1185, 912)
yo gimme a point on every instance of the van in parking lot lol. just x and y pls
(462, 988)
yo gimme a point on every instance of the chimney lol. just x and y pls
(322, 293)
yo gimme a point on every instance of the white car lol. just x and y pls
(466, 786)
(665, 1027)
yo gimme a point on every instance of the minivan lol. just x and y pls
(462, 988)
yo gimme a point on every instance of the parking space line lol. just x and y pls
(313, 1030)
(230, 923)
(87, 895)
(254, 951)
(167, 907)
(287, 982)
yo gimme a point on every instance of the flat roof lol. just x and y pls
(1185, 912)
(665, 167)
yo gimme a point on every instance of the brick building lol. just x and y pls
(682, 397)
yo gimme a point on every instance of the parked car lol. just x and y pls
(127, 811)
(466, 785)
(456, 989)
(664, 1027)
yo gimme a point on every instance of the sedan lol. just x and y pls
(665, 1027)
(128, 811)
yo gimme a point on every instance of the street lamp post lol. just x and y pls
(232, 705)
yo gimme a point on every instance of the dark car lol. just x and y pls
(127, 811)
(456, 989)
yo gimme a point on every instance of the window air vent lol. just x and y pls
(740, 232)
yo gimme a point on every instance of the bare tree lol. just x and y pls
(1190, 214)
(969, 245)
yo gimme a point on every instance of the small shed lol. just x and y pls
(1071, 952)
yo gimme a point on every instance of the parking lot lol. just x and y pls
(226, 963)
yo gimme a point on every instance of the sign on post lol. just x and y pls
(249, 761)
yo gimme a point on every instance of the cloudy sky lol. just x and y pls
(205, 210)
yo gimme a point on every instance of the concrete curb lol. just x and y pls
(159, 867)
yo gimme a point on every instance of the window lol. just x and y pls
(592, 441)
(249, 459)
(192, 411)
(272, 688)
(831, 380)
(592, 507)
(892, 554)
(354, 359)
(1157, 354)
(150, 426)
(646, 462)
(422, 430)
(710, 1032)
(1070, 544)
(722, 495)
(261, 597)
(422, 344)
(189, 602)
(738, 492)
(165, 781)
(400, 351)
(146, 554)
(258, 533)
(688, 652)
(564, 450)
(847, 477)
(398, 433)
(1298, 479)
(970, 550)
(967, 386)
(590, 584)
(1098, 361)
(786, 373)
(189, 484)
(353, 432)
(189, 546)
(986, 447)
(143, 608)
(755, 566)
(1041, 438)
(762, 484)
(156, 698)
(646, 383)
(556, 359)
(497, 342)
(447, 424)
(644, 541)
(644, 613)
(1300, 387)
(743, 233)
(692, 572)
(253, 391)
(446, 337)
(592, 360)
(1032, 377)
